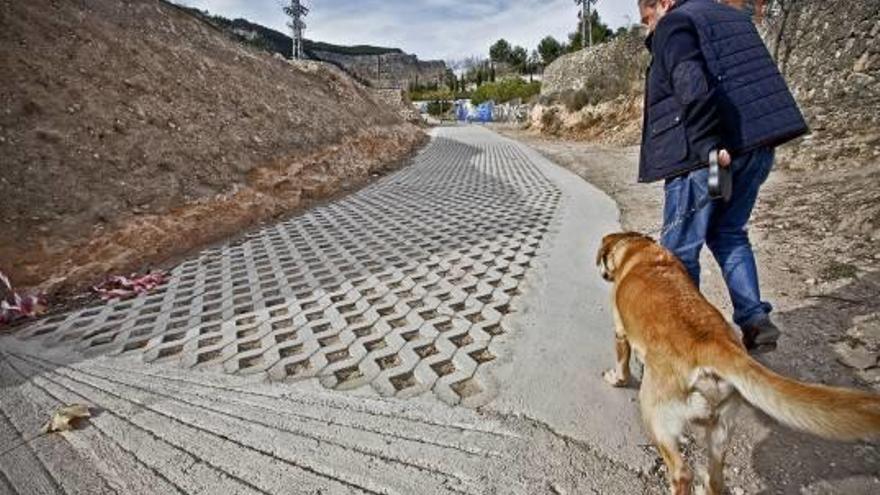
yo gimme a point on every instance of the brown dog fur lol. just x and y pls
(696, 370)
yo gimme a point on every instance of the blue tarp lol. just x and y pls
(466, 112)
(461, 110)
(484, 111)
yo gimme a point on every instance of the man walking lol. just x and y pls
(713, 86)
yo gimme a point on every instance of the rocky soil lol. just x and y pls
(818, 222)
(823, 280)
(614, 122)
(595, 94)
(829, 56)
(132, 132)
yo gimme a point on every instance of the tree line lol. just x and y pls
(504, 58)
(549, 48)
(485, 78)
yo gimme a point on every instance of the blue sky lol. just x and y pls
(432, 29)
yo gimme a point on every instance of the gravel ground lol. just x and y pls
(823, 280)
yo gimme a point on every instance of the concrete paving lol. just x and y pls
(440, 331)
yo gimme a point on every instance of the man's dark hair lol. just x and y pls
(647, 3)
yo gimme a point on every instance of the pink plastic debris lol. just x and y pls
(14, 306)
(118, 287)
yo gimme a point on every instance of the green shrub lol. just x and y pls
(506, 90)
(575, 100)
(439, 107)
(546, 100)
(431, 94)
(551, 122)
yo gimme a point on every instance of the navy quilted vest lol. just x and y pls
(755, 106)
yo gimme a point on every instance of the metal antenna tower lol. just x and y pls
(296, 11)
(586, 16)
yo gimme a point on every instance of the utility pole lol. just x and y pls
(296, 11)
(586, 16)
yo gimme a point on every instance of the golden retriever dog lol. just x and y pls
(696, 371)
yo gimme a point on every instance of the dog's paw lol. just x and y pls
(614, 379)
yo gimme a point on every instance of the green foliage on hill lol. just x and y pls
(506, 90)
(601, 33)
(426, 94)
(516, 57)
(440, 107)
(550, 49)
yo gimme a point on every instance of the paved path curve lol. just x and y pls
(308, 357)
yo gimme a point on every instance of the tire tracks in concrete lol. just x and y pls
(526, 452)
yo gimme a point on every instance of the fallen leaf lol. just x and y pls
(14, 306)
(125, 287)
(64, 418)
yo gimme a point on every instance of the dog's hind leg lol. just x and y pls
(666, 419)
(717, 436)
(666, 431)
(620, 375)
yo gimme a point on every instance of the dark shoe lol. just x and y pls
(760, 336)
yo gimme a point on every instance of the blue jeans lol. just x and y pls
(723, 227)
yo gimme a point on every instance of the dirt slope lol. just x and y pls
(130, 132)
(825, 289)
(830, 204)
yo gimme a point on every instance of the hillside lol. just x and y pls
(277, 42)
(823, 209)
(591, 89)
(597, 95)
(133, 132)
(375, 66)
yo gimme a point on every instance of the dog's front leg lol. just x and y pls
(620, 374)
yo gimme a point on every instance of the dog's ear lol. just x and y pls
(605, 256)
(604, 247)
(606, 266)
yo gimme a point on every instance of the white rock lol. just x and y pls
(857, 357)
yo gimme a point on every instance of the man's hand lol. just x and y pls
(724, 158)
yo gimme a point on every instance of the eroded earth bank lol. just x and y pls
(133, 132)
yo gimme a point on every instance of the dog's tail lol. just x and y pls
(830, 412)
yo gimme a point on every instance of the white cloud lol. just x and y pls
(432, 29)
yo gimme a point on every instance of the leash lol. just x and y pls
(678, 222)
(720, 187)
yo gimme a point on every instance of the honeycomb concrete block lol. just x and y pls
(402, 286)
